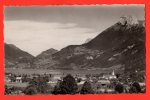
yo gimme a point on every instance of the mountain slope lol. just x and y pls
(47, 53)
(44, 59)
(15, 57)
(123, 45)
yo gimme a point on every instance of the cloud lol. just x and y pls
(34, 37)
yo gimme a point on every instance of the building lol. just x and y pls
(81, 83)
(110, 76)
(57, 77)
(104, 81)
(142, 84)
(19, 79)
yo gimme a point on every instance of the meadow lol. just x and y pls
(42, 71)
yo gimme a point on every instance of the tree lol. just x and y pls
(30, 90)
(132, 89)
(79, 80)
(68, 85)
(118, 75)
(86, 88)
(25, 78)
(119, 88)
(57, 89)
(13, 78)
(39, 84)
(46, 78)
(7, 90)
(135, 88)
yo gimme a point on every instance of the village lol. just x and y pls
(101, 83)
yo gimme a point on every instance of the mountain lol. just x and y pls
(120, 46)
(88, 40)
(44, 59)
(47, 53)
(15, 57)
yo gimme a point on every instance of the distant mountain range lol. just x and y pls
(120, 46)
(44, 60)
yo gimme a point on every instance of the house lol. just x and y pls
(57, 77)
(53, 81)
(104, 81)
(81, 76)
(142, 84)
(81, 83)
(19, 79)
(89, 58)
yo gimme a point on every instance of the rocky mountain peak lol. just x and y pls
(128, 20)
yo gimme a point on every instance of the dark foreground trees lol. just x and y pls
(30, 90)
(7, 90)
(37, 85)
(57, 89)
(135, 88)
(119, 88)
(86, 88)
(67, 86)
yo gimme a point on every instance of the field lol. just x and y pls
(42, 71)
(23, 85)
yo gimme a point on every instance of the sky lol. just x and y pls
(37, 28)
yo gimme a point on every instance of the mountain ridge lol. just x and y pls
(120, 46)
(15, 57)
(125, 36)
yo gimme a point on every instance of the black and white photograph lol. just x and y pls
(74, 49)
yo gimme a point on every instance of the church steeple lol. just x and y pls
(113, 73)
